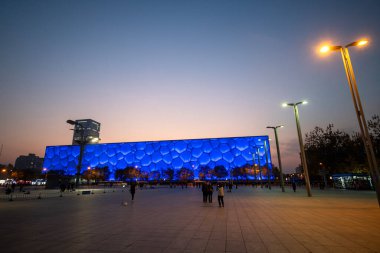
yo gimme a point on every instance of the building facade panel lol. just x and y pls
(231, 152)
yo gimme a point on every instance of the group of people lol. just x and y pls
(63, 186)
(208, 190)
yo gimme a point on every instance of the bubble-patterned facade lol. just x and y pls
(152, 156)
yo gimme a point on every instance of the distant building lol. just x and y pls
(87, 129)
(29, 162)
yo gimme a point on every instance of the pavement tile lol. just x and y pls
(255, 247)
(361, 250)
(335, 249)
(216, 245)
(151, 243)
(202, 235)
(254, 239)
(197, 245)
(145, 249)
(179, 243)
(235, 246)
(295, 248)
(375, 246)
(216, 235)
(276, 247)
(316, 248)
(234, 236)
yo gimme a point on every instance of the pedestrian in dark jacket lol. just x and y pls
(204, 192)
(132, 190)
(210, 190)
(294, 185)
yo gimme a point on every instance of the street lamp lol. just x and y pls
(82, 144)
(372, 163)
(278, 155)
(303, 156)
(4, 171)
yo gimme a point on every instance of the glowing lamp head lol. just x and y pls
(362, 42)
(304, 102)
(284, 104)
(359, 43)
(324, 49)
(94, 140)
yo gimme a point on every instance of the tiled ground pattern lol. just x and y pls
(176, 220)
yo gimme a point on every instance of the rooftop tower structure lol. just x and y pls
(86, 130)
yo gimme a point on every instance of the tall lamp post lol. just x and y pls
(372, 163)
(303, 156)
(278, 155)
(82, 144)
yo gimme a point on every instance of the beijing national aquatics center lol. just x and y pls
(150, 156)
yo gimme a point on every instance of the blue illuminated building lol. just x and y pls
(150, 156)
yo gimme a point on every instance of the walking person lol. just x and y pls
(210, 190)
(204, 192)
(132, 190)
(220, 195)
(294, 185)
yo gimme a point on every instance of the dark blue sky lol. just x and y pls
(152, 70)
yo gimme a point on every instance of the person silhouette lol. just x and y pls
(220, 195)
(294, 185)
(132, 190)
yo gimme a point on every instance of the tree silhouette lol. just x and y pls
(374, 130)
(337, 151)
(155, 175)
(185, 174)
(129, 173)
(97, 174)
(205, 173)
(220, 172)
(169, 174)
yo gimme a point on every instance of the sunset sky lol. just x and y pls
(163, 70)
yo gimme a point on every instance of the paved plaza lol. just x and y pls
(176, 220)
